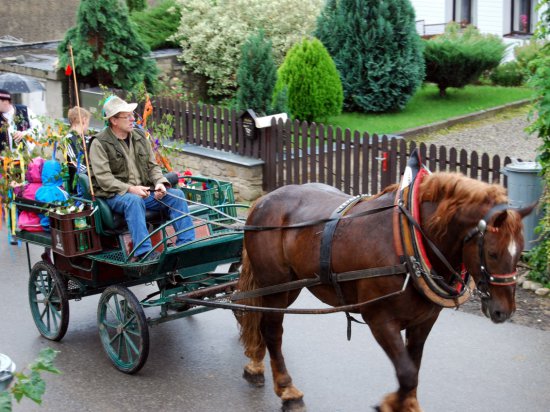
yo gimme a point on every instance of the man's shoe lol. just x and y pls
(154, 255)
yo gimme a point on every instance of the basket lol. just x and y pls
(217, 193)
(74, 234)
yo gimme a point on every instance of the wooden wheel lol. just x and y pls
(123, 329)
(48, 301)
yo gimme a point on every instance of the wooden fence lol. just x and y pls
(298, 152)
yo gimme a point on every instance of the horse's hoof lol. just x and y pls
(294, 405)
(377, 408)
(257, 379)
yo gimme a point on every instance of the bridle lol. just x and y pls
(488, 278)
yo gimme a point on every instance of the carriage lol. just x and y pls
(89, 252)
(396, 259)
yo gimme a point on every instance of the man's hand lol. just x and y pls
(160, 191)
(141, 191)
(17, 136)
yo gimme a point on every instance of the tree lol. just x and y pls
(257, 75)
(376, 50)
(539, 256)
(212, 32)
(457, 58)
(106, 48)
(136, 5)
(156, 25)
(312, 82)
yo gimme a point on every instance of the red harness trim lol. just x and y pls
(505, 276)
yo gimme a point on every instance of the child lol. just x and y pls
(52, 188)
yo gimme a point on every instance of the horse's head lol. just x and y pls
(491, 252)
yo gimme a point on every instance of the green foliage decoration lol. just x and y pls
(539, 256)
(459, 57)
(29, 384)
(212, 32)
(257, 75)
(509, 74)
(376, 49)
(312, 82)
(107, 50)
(156, 25)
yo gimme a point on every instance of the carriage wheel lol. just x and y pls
(123, 329)
(48, 301)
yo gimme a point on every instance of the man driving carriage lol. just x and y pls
(124, 172)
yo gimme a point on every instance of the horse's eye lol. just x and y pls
(493, 255)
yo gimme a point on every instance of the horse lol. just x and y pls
(452, 209)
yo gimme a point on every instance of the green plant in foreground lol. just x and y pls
(29, 384)
(539, 256)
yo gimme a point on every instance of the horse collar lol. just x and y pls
(410, 239)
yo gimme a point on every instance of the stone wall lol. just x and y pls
(246, 176)
(37, 20)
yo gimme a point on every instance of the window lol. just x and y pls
(463, 12)
(523, 16)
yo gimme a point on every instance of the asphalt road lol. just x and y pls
(195, 364)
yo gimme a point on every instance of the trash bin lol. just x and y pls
(7, 368)
(524, 188)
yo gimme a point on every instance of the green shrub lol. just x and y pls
(508, 74)
(313, 85)
(257, 75)
(455, 58)
(376, 49)
(156, 25)
(527, 52)
(212, 32)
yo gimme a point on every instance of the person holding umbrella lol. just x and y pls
(16, 122)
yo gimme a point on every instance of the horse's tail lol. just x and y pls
(250, 336)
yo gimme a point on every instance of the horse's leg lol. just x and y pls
(415, 339)
(272, 331)
(388, 335)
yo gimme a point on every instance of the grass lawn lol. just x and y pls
(427, 107)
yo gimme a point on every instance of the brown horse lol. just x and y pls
(451, 208)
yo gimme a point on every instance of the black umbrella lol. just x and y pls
(16, 83)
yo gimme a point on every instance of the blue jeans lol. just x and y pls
(133, 208)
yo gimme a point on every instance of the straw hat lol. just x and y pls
(114, 105)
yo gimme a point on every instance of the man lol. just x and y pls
(16, 122)
(123, 169)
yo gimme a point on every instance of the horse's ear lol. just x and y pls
(500, 217)
(526, 211)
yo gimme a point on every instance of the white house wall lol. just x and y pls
(490, 16)
(431, 11)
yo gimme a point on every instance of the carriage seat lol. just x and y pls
(111, 222)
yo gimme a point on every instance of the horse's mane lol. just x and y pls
(455, 193)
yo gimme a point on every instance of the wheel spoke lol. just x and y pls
(109, 324)
(127, 344)
(108, 305)
(131, 343)
(54, 316)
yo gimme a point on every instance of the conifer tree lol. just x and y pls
(256, 75)
(106, 49)
(136, 5)
(376, 50)
(311, 81)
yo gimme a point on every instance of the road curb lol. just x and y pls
(443, 124)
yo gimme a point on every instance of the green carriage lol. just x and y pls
(91, 253)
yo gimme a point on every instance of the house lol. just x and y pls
(513, 20)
